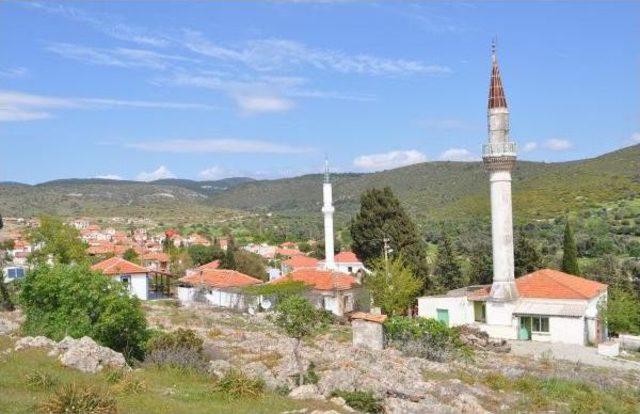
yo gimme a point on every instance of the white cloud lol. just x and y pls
(555, 144)
(109, 177)
(458, 154)
(159, 174)
(388, 160)
(218, 146)
(18, 106)
(259, 104)
(277, 54)
(105, 23)
(13, 72)
(529, 146)
(120, 57)
(213, 173)
(635, 138)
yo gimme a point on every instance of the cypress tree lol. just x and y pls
(569, 252)
(447, 269)
(527, 258)
(381, 216)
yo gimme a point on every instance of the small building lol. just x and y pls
(299, 262)
(552, 306)
(346, 262)
(141, 282)
(217, 287)
(333, 291)
(368, 330)
(156, 261)
(215, 264)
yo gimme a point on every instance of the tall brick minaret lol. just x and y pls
(499, 157)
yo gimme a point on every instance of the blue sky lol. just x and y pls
(207, 90)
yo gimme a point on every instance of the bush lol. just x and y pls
(425, 338)
(75, 301)
(363, 401)
(181, 349)
(74, 399)
(236, 385)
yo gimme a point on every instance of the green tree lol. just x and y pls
(621, 312)
(299, 319)
(130, 254)
(229, 259)
(5, 298)
(447, 269)
(480, 264)
(393, 285)
(204, 254)
(57, 240)
(569, 252)
(527, 258)
(251, 264)
(381, 216)
(72, 300)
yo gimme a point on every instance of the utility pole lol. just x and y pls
(385, 241)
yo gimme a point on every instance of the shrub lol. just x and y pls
(181, 349)
(311, 376)
(236, 385)
(73, 300)
(425, 338)
(40, 380)
(363, 401)
(128, 384)
(74, 399)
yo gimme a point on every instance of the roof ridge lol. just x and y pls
(551, 276)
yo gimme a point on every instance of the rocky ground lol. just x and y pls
(404, 384)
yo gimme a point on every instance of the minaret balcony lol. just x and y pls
(499, 149)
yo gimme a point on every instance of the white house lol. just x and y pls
(333, 291)
(552, 307)
(141, 282)
(346, 262)
(217, 287)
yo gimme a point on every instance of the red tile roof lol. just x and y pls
(220, 278)
(115, 266)
(298, 262)
(321, 279)
(551, 284)
(288, 252)
(210, 266)
(369, 317)
(346, 257)
(159, 256)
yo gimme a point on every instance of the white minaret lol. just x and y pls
(499, 157)
(327, 210)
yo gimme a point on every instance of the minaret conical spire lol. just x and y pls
(497, 98)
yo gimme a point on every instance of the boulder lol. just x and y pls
(219, 367)
(258, 370)
(7, 327)
(34, 342)
(306, 392)
(86, 355)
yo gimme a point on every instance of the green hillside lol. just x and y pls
(432, 190)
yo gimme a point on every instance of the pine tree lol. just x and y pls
(527, 258)
(447, 269)
(481, 264)
(381, 216)
(229, 259)
(570, 252)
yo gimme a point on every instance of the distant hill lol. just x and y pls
(432, 190)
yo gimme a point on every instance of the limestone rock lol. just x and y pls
(7, 327)
(306, 392)
(402, 406)
(34, 342)
(258, 370)
(87, 356)
(340, 402)
(219, 367)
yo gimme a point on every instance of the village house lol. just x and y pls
(141, 282)
(156, 261)
(346, 262)
(299, 262)
(217, 287)
(336, 292)
(215, 264)
(552, 307)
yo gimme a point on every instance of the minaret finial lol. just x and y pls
(494, 42)
(326, 170)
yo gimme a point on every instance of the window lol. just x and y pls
(537, 324)
(126, 280)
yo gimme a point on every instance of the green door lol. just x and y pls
(443, 316)
(524, 334)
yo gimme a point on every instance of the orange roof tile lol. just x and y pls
(289, 252)
(346, 257)
(551, 284)
(321, 279)
(369, 317)
(159, 256)
(221, 278)
(298, 262)
(117, 266)
(210, 266)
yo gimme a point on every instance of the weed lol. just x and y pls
(41, 380)
(75, 399)
(236, 385)
(363, 401)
